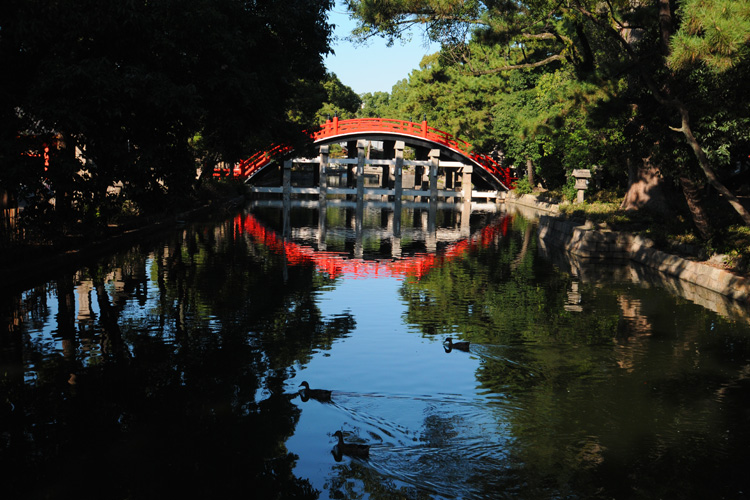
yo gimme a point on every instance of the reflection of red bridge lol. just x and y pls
(336, 264)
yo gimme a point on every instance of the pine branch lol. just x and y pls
(550, 59)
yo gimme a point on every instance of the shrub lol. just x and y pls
(523, 186)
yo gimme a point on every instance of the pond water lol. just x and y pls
(172, 369)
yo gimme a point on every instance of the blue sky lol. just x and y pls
(373, 67)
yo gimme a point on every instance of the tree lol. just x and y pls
(602, 42)
(534, 115)
(374, 105)
(340, 100)
(127, 91)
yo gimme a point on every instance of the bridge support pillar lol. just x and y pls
(322, 227)
(351, 153)
(421, 154)
(465, 218)
(286, 182)
(361, 145)
(466, 182)
(286, 231)
(434, 162)
(323, 174)
(387, 175)
(398, 187)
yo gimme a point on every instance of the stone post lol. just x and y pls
(398, 187)
(287, 182)
(323, 174)
(466, 218)
(322, 209)
(361, 145)
(466, 182)
(434, 162)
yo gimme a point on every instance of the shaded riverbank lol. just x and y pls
(585, 241)
(22, 268)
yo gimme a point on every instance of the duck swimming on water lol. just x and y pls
(306, 393)
(449, 344)
(351, 449)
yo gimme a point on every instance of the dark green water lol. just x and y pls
(171, 369)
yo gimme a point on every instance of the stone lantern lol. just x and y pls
(582, 176)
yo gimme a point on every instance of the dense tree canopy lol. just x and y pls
(340, 100)
(141, 89)
(656, 80)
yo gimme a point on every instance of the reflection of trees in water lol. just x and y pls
(608, 400)
(189, 335)
(353, 480)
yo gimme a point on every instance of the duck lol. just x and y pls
(461, 346)
(306, 393)
(351, 449)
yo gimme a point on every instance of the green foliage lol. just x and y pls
(340, 100)
(715, 33)
(375, 105)
(547, 115)
(523, 186)
(569, 190)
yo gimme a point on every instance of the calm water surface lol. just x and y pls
(172, 369)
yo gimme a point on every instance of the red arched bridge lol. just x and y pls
(418, 134)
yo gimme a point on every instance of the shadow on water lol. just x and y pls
(158, 373)
(172, 369)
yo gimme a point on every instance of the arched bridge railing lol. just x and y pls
(368, 126)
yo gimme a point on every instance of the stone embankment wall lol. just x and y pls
(584, 241)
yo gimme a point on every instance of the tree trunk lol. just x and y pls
(646, 189)
(61, 171)
(706, 166)
(694, 198)
(530, 171)
(665, 25)
(66, 316)
(111, 334)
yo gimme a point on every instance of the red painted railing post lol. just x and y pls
(335, 124)
(424, 127)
